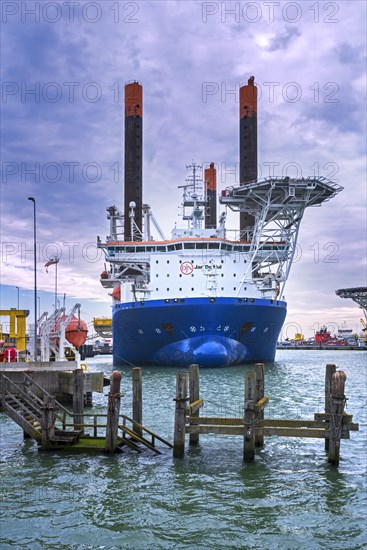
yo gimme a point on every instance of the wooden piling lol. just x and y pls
(137, 400)
(113, 412)
(336, 417)
(194, 384)
(259, 394)
(48, 421)
(330, 369)
(26, 386)
(180, 415)
(78, 399)
(249, 417)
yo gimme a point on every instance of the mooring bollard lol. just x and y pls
(113, 413)
(259, 394)
(78, 400)
(336, 418)
(194, 383)
(48, 421)
(330, 369)
(137, 400)
(180, 415)
(249, 416)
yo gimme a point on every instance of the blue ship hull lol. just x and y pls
(213, 332)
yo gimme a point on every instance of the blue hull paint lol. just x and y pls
(213, 332)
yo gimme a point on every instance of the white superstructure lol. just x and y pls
(214, 262)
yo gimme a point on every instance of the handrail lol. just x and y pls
(44, 392)
(124, 418)
(35, 402)
(146, 430)
(24, 407)
(29, 394)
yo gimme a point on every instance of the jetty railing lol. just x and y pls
(332, 426)
(55, 427)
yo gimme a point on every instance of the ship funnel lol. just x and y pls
(133, 172)
(248, 143)
(210, 181)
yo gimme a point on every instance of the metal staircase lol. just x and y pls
(53, 426)
(25, 402)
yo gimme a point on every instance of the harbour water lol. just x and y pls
(289, 498)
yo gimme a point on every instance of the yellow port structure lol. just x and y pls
(103, 326)
(17, 326)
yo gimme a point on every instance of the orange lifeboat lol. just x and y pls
(116, 293)
(76, 331)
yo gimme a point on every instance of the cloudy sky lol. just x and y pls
(64, 65)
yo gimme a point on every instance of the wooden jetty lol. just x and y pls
(56, 428)
(56, 377)
(332, 425)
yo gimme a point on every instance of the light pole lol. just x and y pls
(35, 276)
(17, 287)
